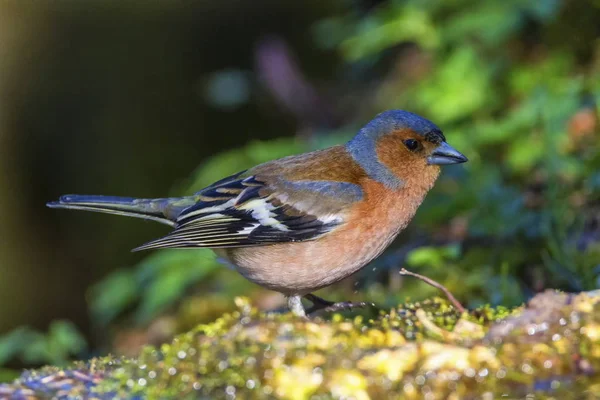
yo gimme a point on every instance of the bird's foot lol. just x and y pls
(320, 304)
(296, 307)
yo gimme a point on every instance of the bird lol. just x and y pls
(303, 222)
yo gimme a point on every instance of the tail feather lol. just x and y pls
(161, 210)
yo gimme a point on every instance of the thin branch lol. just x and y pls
(436, 285)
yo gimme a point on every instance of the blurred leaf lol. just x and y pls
(167, 274)
(550, 72)
(62, 342)
(389, 27)
(14, 342)
(434, 257)
(64, 339)
(524, 154)
(37, 350)
(112, 295)
(459, 87)
(490, 21)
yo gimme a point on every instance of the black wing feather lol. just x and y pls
(223, 217)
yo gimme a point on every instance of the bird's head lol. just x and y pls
(398, 145)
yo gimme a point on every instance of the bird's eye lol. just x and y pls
(411, 144)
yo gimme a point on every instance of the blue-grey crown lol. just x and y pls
(392, 120)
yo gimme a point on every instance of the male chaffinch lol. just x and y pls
(303, 222)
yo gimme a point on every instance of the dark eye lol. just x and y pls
(411, 144)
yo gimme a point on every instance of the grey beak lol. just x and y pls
(446, 154)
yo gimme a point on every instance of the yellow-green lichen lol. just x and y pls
(549, 347)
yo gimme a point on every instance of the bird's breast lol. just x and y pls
(303, 267)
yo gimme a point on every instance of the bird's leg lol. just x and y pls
(295, 306)
(320, 304)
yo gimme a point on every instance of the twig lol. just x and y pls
(436, 285)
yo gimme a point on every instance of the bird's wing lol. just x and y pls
(253, 210)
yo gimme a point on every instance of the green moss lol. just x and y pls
(549, 346)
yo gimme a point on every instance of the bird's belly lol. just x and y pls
(299, 268)
(303, 267)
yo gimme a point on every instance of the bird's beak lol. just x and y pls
(445, 154)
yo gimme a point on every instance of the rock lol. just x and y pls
(549, 348)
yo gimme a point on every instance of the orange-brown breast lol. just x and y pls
(303, 267)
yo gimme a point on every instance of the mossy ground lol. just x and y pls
(549, 348)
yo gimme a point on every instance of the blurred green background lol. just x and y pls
(151, 99)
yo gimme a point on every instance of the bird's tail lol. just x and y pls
(161, 210)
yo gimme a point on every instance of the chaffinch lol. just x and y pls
(303, 222)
